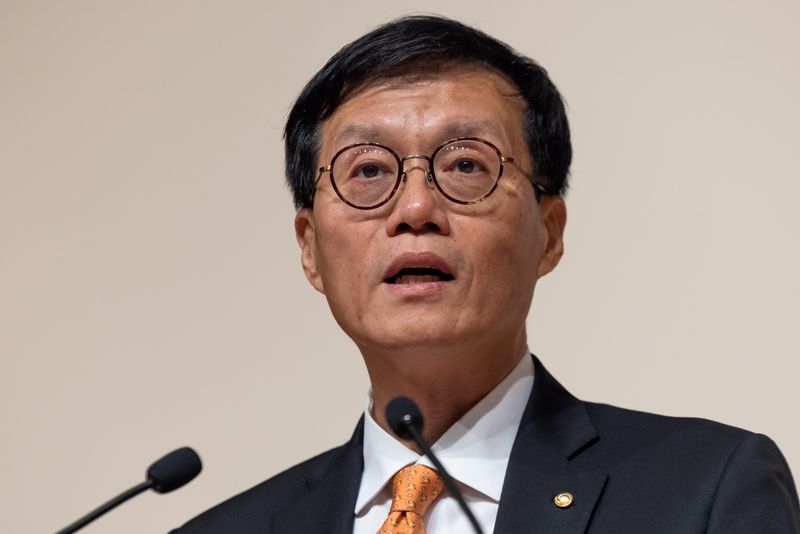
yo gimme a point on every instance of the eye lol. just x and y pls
(464, 159)
(368, 171)
(466, 166)
(365, 163)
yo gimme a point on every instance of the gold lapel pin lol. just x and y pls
(563, 500)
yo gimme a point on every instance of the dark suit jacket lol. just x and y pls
(629, 472)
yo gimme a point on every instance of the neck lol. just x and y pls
(445, 382)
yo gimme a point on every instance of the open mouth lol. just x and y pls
(418, 275)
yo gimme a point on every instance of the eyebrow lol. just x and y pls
(358, 132)
(472, 128)
(475, 128)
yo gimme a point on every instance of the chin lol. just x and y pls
(426, 338)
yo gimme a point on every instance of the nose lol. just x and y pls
(418, 208)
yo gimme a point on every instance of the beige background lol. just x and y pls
(150, 288)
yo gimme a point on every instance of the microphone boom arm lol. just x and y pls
(110, 505)
(446, 478)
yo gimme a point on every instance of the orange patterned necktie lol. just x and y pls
(414, 488)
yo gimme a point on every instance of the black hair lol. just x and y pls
(412, 44)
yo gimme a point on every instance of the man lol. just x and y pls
(428, 162)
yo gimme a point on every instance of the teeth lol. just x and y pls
(416, 279)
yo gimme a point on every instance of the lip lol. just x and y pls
(409, 260)
(412, 260)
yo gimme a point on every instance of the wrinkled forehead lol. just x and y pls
(457, 100)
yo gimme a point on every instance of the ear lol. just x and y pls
(306, 237)
(554, 219)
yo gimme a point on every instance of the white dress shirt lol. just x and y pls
(475, 451)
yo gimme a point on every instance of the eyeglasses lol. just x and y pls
(465, 170)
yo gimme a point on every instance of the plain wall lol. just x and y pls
(151, 294)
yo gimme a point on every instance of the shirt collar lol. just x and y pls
(475, 450)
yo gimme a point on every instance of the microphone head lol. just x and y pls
(174, 470)
(402, 414)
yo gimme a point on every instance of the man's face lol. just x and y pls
(490, 253)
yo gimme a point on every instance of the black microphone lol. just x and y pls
(406, 421)
(166, 474)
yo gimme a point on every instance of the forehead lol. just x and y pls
(424, 108)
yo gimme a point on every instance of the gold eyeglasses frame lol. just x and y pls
(430, 174)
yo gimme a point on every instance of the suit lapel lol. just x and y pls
(328, 506)
(555, 428)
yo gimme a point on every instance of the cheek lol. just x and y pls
(508, 257)
(336, 270)
(343, 260)
(336, 265)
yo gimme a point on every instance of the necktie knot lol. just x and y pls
(414, 488)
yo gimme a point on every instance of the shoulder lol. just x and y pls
(633, 430)
(251, 510)
(629, 436)
(695, 463)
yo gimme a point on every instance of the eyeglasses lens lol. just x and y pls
(467, 170)
(365, 175)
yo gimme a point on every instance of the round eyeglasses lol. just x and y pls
(465, 170)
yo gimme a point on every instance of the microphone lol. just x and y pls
(406, 422)
(166, 474)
